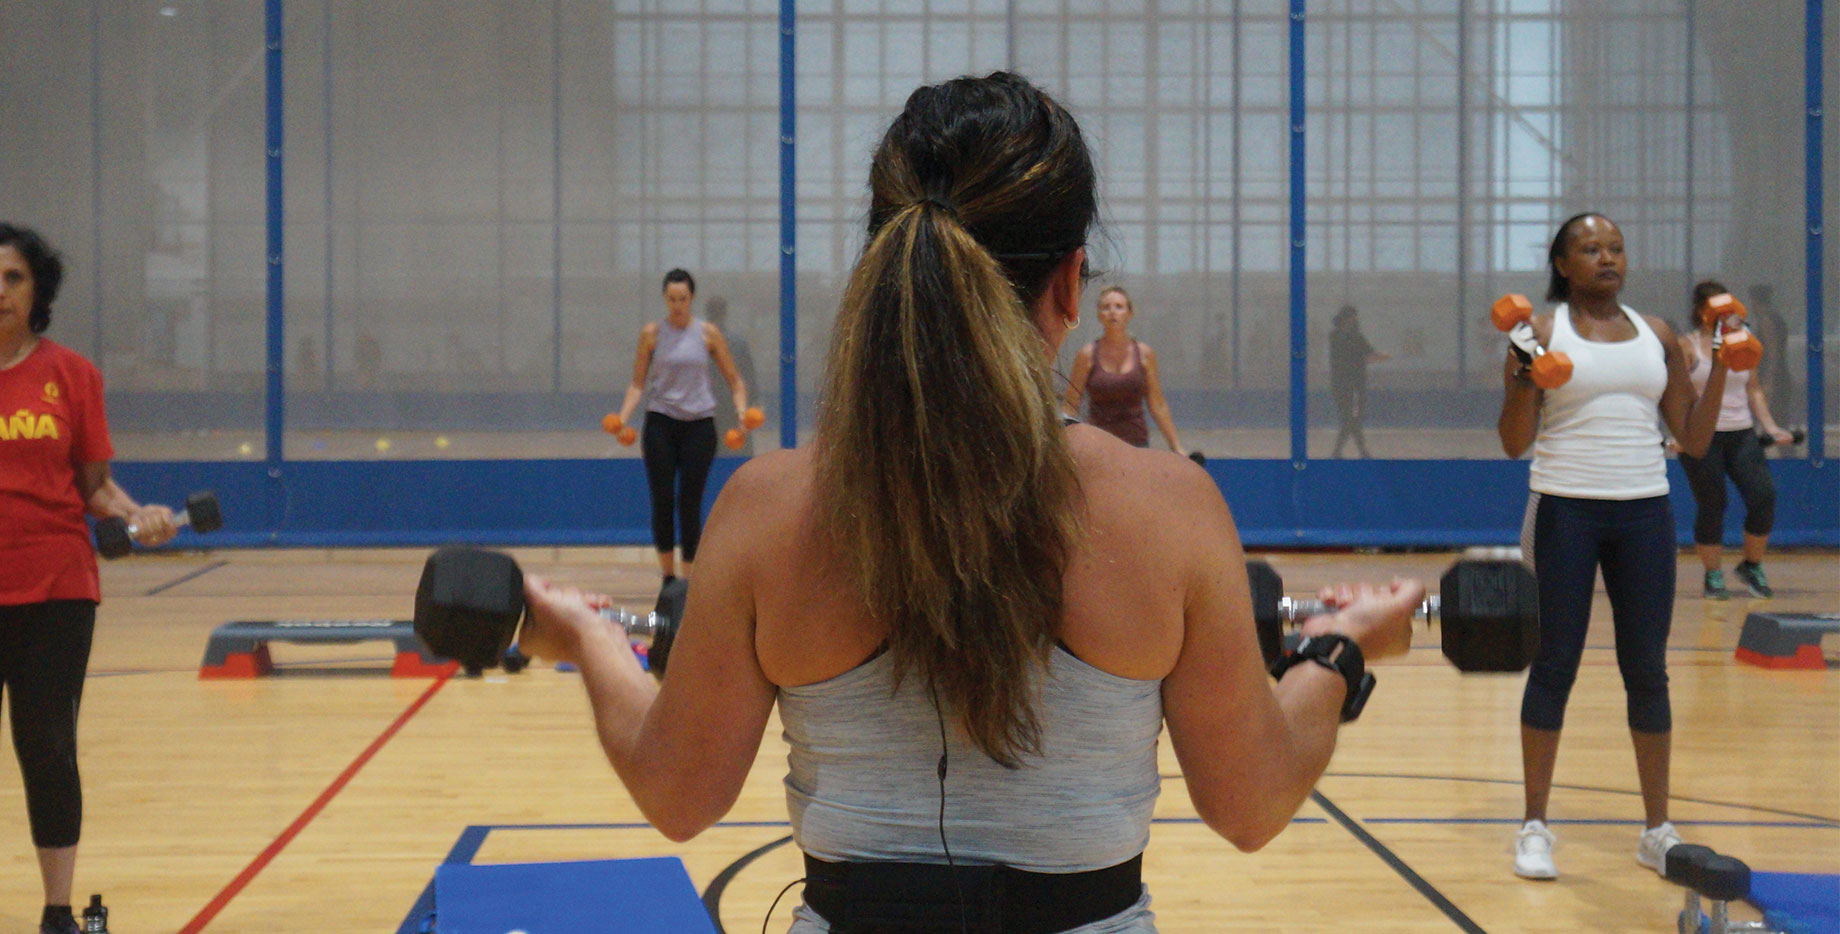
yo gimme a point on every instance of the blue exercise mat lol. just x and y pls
(616, 896)
(1798, 901)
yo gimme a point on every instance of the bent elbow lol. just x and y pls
(1247, 833)
(679, 833)
(1253, 839)
(677, 828)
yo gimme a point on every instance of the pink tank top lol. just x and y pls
(1117, 399)
(1735, 407)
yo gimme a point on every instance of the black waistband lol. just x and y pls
(911, 898)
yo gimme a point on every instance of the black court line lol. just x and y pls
(712, 896)
(193, 575)
(1780, 812)
(1450, 910)
(1602, 822)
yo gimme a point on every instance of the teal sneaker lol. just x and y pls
(1714, 588)
(1754, 581)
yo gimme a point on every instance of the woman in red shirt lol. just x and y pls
(54, 467)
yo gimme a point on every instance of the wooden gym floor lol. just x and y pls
(323, 799)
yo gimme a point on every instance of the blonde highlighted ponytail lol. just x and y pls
(943, 471)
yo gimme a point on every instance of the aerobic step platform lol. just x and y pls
(240, 649)
(1786, 640)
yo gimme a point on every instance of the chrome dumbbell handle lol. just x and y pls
(181, 519)
(1295, 610)
(640, 630)
(1523, 339)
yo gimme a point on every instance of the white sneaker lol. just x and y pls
(1656, 841)
(1533, 852)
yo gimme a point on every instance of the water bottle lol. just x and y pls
(95, 917)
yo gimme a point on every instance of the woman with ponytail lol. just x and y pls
(975, 619)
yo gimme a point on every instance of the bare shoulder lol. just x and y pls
(1662, 330)
(649, 332)
(768, 495)
(1148, 353)
(1155, 487)
(772, 479)
(711, 332)
(1084, 353)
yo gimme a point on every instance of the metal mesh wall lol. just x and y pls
(483, 194)
(133, 141)
(1448, 140)
(484, 197)
(1184, 105)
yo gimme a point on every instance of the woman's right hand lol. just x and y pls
(1378, 619)
(561, 619)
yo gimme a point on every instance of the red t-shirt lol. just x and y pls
(51, 421)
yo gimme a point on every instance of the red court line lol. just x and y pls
(300, 823)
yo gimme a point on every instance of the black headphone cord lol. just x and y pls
(951, 869)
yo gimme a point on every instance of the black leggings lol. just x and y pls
(1739, 455)
(675, 448)
(1351, 403)
(1633, 540)
(44, 652)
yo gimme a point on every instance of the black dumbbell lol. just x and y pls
(1198, 457)
(470, 603)
(1718, 879)
(115, 536)
(1488, 610)
(1796, 436)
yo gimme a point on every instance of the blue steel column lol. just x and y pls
(1300, 424)
(788, 233)
(1817, 333)
(277, 341)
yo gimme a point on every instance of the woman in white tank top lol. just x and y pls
(1736, 452)
(1599, 500)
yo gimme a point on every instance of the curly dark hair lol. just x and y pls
(47, 271)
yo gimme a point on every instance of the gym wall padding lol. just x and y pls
(540, 502)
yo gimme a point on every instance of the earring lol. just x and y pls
(1073, 322)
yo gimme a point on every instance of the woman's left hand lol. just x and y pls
(153, 524)
(1781, 437)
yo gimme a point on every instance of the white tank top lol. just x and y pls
(1735, 407)
(1600, 434)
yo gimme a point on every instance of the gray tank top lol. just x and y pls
(679, 375)
(862, 781)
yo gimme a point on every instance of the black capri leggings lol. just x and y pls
(1738, 455)
(673, 448)
(1633, 540)
(44, 652)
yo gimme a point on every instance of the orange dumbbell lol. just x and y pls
(1513, 315)
(734, 439)
(1510, 310)
(1737, 346)
(753, 418)
(617, 427)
